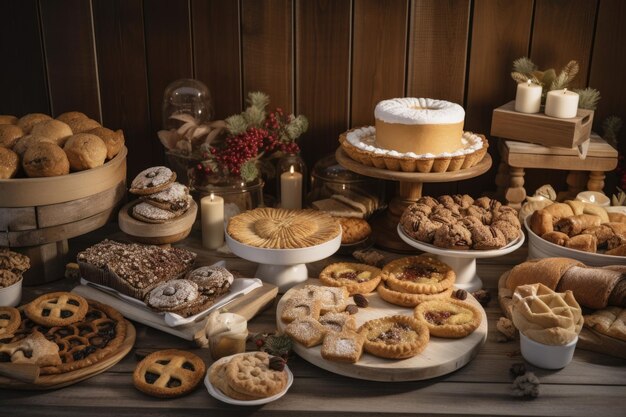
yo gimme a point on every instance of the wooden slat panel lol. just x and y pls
(216, 52)
(168, 57)
(438, 49)
(23, 73)
(70, 56)
(563, 30)
(500, 34)
(122, 71)
(267, 50)
(379, 55)
(322, 65)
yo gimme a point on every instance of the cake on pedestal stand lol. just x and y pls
(409, 191)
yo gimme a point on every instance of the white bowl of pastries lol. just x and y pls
(577, 230)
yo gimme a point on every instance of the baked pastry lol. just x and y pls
(353, 230)
(618, 251)
(172, 295)
(212, 280)
(487, 238)
(407, 299)
(56, 309)
(610, 321)
(9, 134)
(174, 198)
(148, 213)
(131, 268)
(33, 349)
(337, 209)
(331, 298)
(9, 163)
(45, 159)
(53, 129)
(297, 308)
(448, 318)
(85, 151)
(114, 140)
(27, 122)
(25, 141)
(573, 225)
(338, 322)
(509, 230)
(7, 119)
(218, 378)
(9, 320)
(418, 275)
(541, 222)
(356, 278)
(585, 243)
(558, 238)
(602, 233)
(453, 236)
(168, 373)
(8, 278)
(617, 217)
(359, 200)
(82, 125)
(346, 346)
(80, 344)
(307, 331)
(152, 180)
(71, 115)
(250, 374)
(394, 337)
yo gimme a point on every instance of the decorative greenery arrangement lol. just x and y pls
(241, 146)
(524, 69)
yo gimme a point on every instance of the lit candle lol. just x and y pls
(291, 189)
(212, 212)
(528, 97)
(594, 197)
(562, 104)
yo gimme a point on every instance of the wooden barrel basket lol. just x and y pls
(39, 215)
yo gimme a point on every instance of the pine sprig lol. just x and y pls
(611, 127)
(524, 65)
(588, 98)
(567, 74)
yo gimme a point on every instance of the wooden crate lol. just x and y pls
(38, 215)
(541, 129)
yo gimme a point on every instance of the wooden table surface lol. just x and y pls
(592, 385)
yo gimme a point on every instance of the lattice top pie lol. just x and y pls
(283, 229)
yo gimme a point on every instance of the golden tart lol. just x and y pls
(418, 275)
(394, 337)
(448, 318)
(357, 278)
(345, 346)
(283, 229)
(407, 299)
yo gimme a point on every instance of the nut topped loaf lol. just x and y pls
(133, 269)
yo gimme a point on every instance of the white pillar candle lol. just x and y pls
(594, 197)
(528, 97)
(212, 212)
(562, 104)
(291, 189)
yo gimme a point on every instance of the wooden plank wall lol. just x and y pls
(330, 60)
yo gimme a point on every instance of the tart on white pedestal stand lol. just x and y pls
(463, 262)
(283, 267)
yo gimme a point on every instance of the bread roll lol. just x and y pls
(602, 233)
(82, 125)
(618, 251)
(113, 140)
(85, 151)
(53, 129)
(541, 222)
(578, 207)
(25, 141)
(558, 238)
(585, 243)
(30, 120)
(9, 163)
(71, 115)
(617, 217)
(574, 225)
(45, 159)
(9, 134)
(559, 210)
(547, 271)
(596, 211)
(7, 119)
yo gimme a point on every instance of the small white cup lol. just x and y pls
(10, 296)
(547, 356)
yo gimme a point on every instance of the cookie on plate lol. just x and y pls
(152, 180)
(173, 198)
(148, 213)
(356, 278)
(172, 295)
(394, 337)
(250, 374)
(353, 230)
(57, 309)
(212, 280)
(448, 318)
(168, 373)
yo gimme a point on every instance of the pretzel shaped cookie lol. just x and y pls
(168, 373)
(57, 309)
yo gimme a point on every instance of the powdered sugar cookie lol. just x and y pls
(152, 180)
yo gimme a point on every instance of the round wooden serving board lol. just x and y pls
(440, 357)
(45, 382)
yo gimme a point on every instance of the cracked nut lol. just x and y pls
(360, 300)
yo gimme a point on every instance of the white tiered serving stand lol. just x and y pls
(463, 262)
(283, 267)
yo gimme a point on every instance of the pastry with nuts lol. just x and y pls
(356, 278)
(419, 275)
(394, 337)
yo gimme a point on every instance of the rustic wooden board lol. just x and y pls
(440, 357)
(541, 129)
(26, 192)
(379, 52)
(157, 233)
(17, 218)
(598, 148)
(267, 46)
(45, 382)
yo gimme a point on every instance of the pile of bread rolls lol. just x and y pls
(582, 226)
(45, 147)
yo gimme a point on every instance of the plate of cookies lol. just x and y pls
(249, 379)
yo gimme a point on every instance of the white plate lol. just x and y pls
(218, 395)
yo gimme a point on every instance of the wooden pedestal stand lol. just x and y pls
(409, 190)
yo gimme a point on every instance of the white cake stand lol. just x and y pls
(463, 262)
(283, 267)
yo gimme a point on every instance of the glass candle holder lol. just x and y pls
(186, 97)
(291, 175)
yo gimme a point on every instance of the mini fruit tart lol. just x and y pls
(394, 337)
(406, 299)
(357, 278)
(448, 318)
(168, 373)
(418, 275)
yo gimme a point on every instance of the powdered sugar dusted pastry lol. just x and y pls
(346, 346)
(212, 280)
(338, 322)
(172, 295)
(331, 298)
(297, 308)
(152, 180)
(173, 198)
(33, 349)
(306, 331)
(151, 214)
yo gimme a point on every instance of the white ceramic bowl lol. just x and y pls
(540, 248)
(10, 296)
(547, 356)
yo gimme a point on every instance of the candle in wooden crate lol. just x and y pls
(528, 97)
(562, 104)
